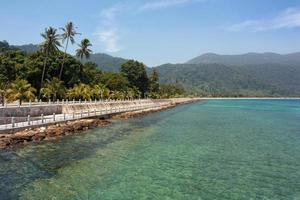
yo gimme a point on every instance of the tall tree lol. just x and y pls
(153, 82)
(68, 35)
(84, 50)
(136, 75)
(49, 46)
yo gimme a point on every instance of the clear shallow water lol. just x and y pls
(223, 149)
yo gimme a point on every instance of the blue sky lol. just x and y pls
(160, 31)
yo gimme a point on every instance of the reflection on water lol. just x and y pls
(213, 150)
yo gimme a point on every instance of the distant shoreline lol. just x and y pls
(250, 98)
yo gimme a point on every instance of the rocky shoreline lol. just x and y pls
(59, 130)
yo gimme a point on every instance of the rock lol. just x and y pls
(42, 129)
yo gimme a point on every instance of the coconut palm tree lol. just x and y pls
(20, 90)
(49, 46)
(68, 35)
(100, 91)
(53, 89)
(84, 50)
(81, 91)
(130, 93)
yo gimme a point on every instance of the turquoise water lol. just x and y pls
(222, 149)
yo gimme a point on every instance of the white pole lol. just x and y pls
(13, 122)
(28, 119)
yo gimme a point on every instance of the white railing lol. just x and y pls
(11, 123)
(65, 102)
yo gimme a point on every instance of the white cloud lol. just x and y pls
(109, 28)
(289, 18)
(110, 39)
(107, 31)
(160, 4)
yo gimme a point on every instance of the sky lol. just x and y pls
(160, 31)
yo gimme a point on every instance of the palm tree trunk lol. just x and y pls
(2, 96)
(43, 74)
(63, 62)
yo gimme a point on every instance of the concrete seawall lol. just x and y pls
(32, 111)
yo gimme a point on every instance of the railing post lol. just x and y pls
(19, 103)
(95, 112)
(67, 101)
(49, 102)
(73, 115)
(54, 117)
(81, 114)
(42, 116)
(79, 101)
(57, 101)
(85, 101)
(73, 101)
(13, 122)
(64, 116)
(88, 113)
(29, 103)
(28, 119)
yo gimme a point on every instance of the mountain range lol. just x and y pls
(248, 59)
(251, 74)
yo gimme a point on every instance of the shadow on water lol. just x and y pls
(21, 166)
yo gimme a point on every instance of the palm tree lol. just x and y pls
(49, 46)
(84, 50)
(69, 34)
(81, 91)
(130, 93)
(20, 90)
(100, 91)
(53, 89)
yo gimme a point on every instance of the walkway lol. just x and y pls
(17, 123)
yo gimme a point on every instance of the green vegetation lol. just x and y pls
(53, 89)
(248, 75)
(106, 62)
(51, 73)
(20, 90)
(220, 80)
(136, 74)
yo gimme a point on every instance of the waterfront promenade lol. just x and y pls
(73, 110)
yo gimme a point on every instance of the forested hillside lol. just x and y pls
(216, 80)
(106, 62)
(251, 74)
(248, 59)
